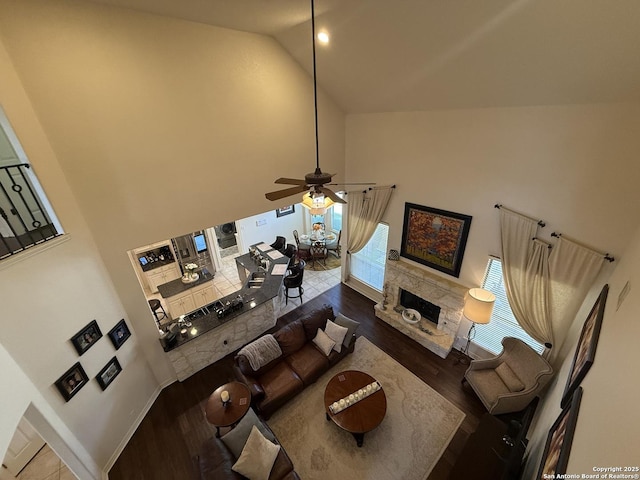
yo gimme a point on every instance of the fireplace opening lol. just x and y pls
(427, 309)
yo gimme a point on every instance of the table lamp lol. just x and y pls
(478, 305)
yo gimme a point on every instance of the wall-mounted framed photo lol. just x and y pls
(85, 338)
(72, 381)
(281, 212)
(586, 349)
(119, 334)
(436, 238)
(556, 451)
(108, 373)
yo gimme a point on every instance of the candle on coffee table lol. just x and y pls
(224, 396)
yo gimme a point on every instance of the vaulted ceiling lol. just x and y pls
(408, 55)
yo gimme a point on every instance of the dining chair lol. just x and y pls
(334, 245)
(318, 252)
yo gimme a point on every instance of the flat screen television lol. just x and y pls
(201, 243)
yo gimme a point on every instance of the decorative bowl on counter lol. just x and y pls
(190, 277)
(410, 315)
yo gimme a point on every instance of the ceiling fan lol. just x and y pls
(313, 182)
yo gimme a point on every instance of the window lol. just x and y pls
(503, 323)
(336, 217)
(368, 264)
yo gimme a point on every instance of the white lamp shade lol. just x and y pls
(478, 305)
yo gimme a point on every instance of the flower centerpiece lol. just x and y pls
(190, 271)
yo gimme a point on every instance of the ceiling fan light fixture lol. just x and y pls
(316, 203)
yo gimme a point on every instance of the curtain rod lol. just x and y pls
(374, 188)
(540, 222)
(606, 256)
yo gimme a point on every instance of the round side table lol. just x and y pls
(220, 415)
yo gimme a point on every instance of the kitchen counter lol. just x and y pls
(176, 287)
(226, 324)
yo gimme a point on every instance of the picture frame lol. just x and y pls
(586, 349)
(87, 337)
(119, 334)
(435, 238)
(281, 212)
(108, 373)
(558, 447)
(72, 381)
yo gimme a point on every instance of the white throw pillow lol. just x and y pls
(324, 342)
(257, 457)
(337, 333)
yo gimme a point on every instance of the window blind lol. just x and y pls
(368, 264)
(503, 323)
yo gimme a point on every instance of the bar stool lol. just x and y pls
(294, 280)
(155, 305)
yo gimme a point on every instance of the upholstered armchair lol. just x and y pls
(509, 382)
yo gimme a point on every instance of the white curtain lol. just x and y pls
(573, 270)
(525, 267)
(364, 212)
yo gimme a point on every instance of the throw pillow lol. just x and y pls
(336, 333)
(236, 438)
(509, 378)
(351, 325)
(324, 342)
(257, 457)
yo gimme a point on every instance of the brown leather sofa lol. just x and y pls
(215, 462)
(300, 364)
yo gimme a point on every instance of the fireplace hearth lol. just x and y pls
(439, 301)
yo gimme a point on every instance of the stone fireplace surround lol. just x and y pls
(449, 296)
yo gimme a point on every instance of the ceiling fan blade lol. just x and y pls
(277, 195)
(329, 193)
(291, 181)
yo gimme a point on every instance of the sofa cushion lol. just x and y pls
(215, 461)
(337, 334)
(509, 378)
(291, 337)
(257, 457)
(324, 342)
(308, 363)
(487, 384)
(279, 384)
(351, 326)
(316, 319)
(236, 438)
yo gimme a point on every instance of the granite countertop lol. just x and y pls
(206, 318)
(175, 287)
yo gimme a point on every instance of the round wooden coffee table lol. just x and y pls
(220, 415)
(362, 416)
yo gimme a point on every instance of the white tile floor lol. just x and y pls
(46, 465)
(226, 280)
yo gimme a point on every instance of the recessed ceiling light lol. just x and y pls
(323, 37)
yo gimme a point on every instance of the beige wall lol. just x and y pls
(574, 167)
(46, 299)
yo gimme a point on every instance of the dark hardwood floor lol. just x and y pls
(170, 436)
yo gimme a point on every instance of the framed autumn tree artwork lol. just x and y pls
(436, 238)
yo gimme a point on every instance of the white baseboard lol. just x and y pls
(132, 430)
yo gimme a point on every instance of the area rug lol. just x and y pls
(329, 263)
(416, 430)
